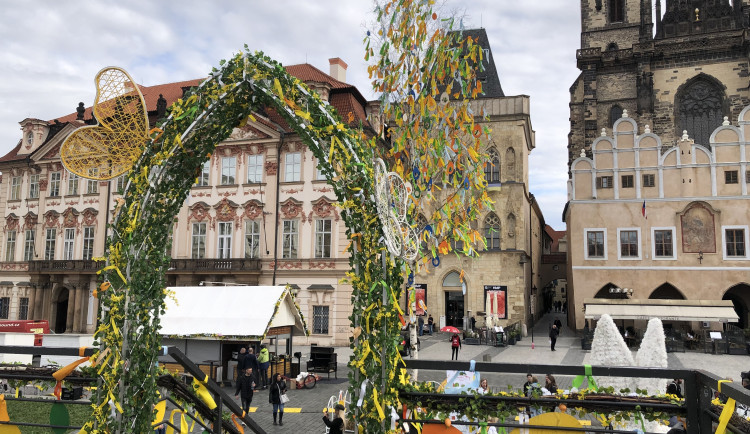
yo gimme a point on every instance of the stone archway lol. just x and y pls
(666, 291)
(604, 292)
(740, 296)
(454, 299)
(60, 315)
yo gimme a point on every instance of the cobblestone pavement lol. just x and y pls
(436, 347)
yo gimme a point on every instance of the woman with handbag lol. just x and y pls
(277, 397)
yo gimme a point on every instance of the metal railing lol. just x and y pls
(699, 391)
(219, 425)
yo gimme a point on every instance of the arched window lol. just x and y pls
(699, 106)
(616, 11)
(612, 47)
(452, 279)
(492, 168)
(666, 292)
(492, 231)
(615, 113)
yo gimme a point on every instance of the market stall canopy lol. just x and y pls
(247, 312)
(666, 310)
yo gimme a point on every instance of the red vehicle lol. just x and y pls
(39, 328)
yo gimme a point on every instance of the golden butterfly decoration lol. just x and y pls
(107, 150)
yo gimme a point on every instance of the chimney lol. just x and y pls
(338, 69)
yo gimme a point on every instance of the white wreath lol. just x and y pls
(392, 199)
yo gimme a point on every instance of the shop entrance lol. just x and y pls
(454, 309)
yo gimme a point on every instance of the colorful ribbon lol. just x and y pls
(726, 413)
(578, 380)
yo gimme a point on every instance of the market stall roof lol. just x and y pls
(246, 312)
(666, 310)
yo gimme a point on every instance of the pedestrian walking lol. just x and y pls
(277, 390)
(263, 363)
(553, 333)
(335, 426)
(430, 323)
(245, 386)
(558, 323)
(420, 324)
(455, 346)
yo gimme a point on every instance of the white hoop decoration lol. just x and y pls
(392, 199)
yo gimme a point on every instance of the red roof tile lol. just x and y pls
(307, 72)
(13, 154)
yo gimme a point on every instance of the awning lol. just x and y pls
(666, 310)
(221, 312)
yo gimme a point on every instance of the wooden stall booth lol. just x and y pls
(211, 323)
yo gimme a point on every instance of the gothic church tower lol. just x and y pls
(684, 69)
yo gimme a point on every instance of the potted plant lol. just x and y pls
(471, 338)
(512, 334)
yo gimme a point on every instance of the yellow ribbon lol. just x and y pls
(183, 422)
(377, 404)
(203, 394)
(726, 413)
(161, 408)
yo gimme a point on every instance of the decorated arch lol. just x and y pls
(420, 61)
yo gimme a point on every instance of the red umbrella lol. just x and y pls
(450, 329)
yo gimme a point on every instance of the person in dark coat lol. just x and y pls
(335, 426)
(430, 323)
(553, 333)
(558, 323)
(276, 389)
(245, 386)
(241, 362)
(252, 362)
(675, 388)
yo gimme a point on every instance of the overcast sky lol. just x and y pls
(52, 51)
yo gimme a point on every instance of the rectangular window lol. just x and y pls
(735, 242)
(289, 239)
(92, 185)
(225, 240)
(4, 307)
(649, 180)
(254, 169)
(15, 188)
(23, 308)
(54, 184)
(319, 175)
(228, 170)
(604, 181)
(595, 244)
(120, 185)
(88, 243)
(629, 244)
(33, 186)
(10, 246)
(747, 176)
(73, 182)
(627, 181)
(28, 246)
(198, 247)
(320, 320)
(292, 166)
(203, 178)
(69, 243)
(323, 238)
(49, 244)
(730, 177)
(663, 247)
(252, 239)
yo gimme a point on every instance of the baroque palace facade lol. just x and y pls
(260, 213)
(658, 190)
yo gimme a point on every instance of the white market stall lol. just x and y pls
(210, 324)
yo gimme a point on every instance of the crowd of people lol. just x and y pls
(252, 372)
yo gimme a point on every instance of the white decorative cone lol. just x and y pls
(652, 354)
(609, 349)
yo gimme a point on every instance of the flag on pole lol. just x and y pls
(643, 210)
